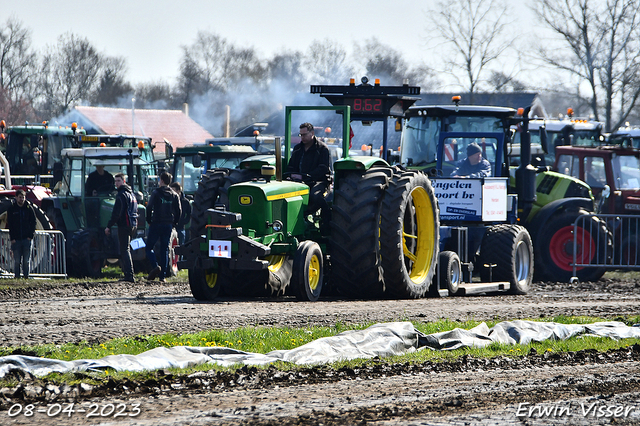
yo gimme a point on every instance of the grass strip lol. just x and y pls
(264, 339)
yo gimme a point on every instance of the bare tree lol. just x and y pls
(17, 68)
(112, 87)
(472, 35)
(288, 67)
(502, 82)
(69, 73)
(211, 63)
(386, 63)
(602, 47)
(326, 63)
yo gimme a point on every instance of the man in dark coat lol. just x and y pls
(186, 212)
(100, 181)
(125, 215)
(474, 165)
(163, 214)
(309, 163)
(21, 221)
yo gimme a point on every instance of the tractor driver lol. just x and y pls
(310, 164)
(474, 166)
(99, 181)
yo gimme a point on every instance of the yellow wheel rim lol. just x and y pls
(314, 272)
(275, 262)
(422, 255)
(211, 278)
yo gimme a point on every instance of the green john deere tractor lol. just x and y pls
(258, 239)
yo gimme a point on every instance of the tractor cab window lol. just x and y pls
(455, 150)
(594, 172)
(23, 153)
(420, 141)
(73, 182)
(586, 138)
(565, 163)
(626, 171)
(187, 174)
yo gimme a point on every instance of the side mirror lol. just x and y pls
(197, 161)
(606, 192)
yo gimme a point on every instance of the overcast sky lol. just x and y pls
(149, 33)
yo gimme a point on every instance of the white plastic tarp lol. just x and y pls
(380, 340)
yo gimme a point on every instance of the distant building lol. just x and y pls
(172, 125)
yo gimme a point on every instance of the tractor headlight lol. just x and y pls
(277, 226)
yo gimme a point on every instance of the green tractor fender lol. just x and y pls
(359, 163)
(536, 222)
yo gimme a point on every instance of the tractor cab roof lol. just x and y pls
(448, 110)
(556, 125)
(105, 155)
(207, 149)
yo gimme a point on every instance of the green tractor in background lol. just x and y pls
(82, 217)
(254, 238)
(33, 150)
(191, 162)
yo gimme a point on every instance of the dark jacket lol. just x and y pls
(314, 161)
(186, 212)
(21, 221)
(101, 183)
(465, 169)
(164, 206)
(124, 202)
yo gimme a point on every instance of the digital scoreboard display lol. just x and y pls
(366, 106)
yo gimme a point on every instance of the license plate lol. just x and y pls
(220, 248)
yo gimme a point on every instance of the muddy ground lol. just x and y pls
(579, 388)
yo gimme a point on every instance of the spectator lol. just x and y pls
(186, 213)
(125, 215)
(163, 213)
(21, 221)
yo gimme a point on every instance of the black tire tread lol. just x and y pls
(356, 267)
(499, 248)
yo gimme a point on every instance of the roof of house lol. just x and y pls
(172, 125)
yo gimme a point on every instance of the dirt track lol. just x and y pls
(467, 392)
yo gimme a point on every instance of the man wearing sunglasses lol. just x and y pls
(310, 164)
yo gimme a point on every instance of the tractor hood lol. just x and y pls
(262, 203)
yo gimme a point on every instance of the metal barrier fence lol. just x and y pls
(621, 254)
(48, 255)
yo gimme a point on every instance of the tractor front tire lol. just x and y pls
(204, 284)
(307, 276)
